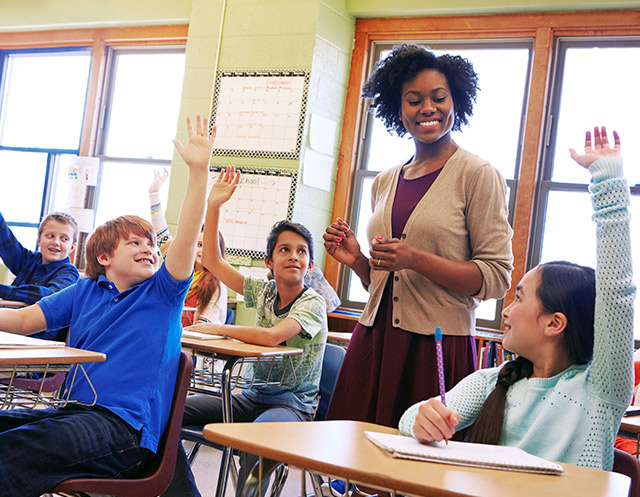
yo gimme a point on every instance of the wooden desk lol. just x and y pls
(11, 304)
(342, 337)
(16, 361)
(232, 352)
(339, 449)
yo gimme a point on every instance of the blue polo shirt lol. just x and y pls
(139, 331)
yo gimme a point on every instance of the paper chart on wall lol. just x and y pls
(263, 197)
(260, 113)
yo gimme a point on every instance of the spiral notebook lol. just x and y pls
(464, 454)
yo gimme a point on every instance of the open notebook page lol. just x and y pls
(464, 454)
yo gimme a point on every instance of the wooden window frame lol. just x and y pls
(99, 39)
(542, 28)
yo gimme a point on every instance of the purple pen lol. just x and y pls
(440, 364)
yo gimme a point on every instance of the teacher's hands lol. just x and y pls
(341, 243)
(390, 254)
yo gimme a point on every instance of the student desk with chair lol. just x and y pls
(234, 354)
(19, 356)
(340, 449)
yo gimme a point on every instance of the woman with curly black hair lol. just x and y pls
(440, 242)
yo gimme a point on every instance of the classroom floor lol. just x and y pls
(207, 464)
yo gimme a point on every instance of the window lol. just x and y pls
(584, 97)
(499, 106)
(579, 70)
(58, 102)
(143, 96)
(42, 101)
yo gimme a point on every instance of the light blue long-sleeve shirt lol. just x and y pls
(573, 417)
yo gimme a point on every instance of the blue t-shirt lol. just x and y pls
(139, 331)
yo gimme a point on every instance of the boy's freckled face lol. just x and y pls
(56, 241)
(290, 259)
(134, 260)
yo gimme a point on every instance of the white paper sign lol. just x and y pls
(317, 170)
(322, 134)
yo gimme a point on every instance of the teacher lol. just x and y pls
(439, 238)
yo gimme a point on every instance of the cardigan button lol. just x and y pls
(397, 321)
(396, 278)
(404, 235)
(395, 299)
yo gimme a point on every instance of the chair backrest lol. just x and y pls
(159, 471)
(229, 317)
(333, 356)
(626, 464)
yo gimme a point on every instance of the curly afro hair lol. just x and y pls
(403, 64)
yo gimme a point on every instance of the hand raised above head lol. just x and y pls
(197, 153)
(225, 185)
(598, 148)
(159, 177)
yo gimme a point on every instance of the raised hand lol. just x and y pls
(197, 153)
(390, 254)
(596, 149)
(434, 422)
(159, 177)
(341, 243)
(223, 188)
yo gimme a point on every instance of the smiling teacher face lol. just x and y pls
(427, 109)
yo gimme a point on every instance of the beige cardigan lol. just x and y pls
(462, 217)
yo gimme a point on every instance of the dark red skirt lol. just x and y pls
(387, 370)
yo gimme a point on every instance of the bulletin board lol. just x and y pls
(263, 197)
(260, 113)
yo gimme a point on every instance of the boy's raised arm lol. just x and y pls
(197, 154)
(212, 259)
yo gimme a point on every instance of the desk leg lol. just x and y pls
(227, 417)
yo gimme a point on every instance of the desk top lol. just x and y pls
(339, 449)
(51, 355)
(630, 423)
(236, 348)
(11, 303)
(340, 336)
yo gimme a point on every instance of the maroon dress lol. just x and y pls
(387, 369)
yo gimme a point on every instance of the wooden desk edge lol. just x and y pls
(49, 355)
(240, 349)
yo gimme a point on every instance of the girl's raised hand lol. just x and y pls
(598, 148)
(225, 185)
(197, 153)
(159, 177)
(435, 422)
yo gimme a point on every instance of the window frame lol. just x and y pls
(98, 41)
(543, 29)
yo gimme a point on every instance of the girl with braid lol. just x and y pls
(563, 397)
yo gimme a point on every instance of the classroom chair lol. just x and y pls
(626, 464)
(159, 472)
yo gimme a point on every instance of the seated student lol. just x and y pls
(129, 311)
(205, 294)
(41, 273)
(563, 397)
(287, 312)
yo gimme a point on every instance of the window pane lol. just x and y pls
(570, 234)
(356, 292)
(22, 177)
(480, 136)
(44, 99)
(28, 237)
(591, 97)
(145, 104)
(124, 189)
